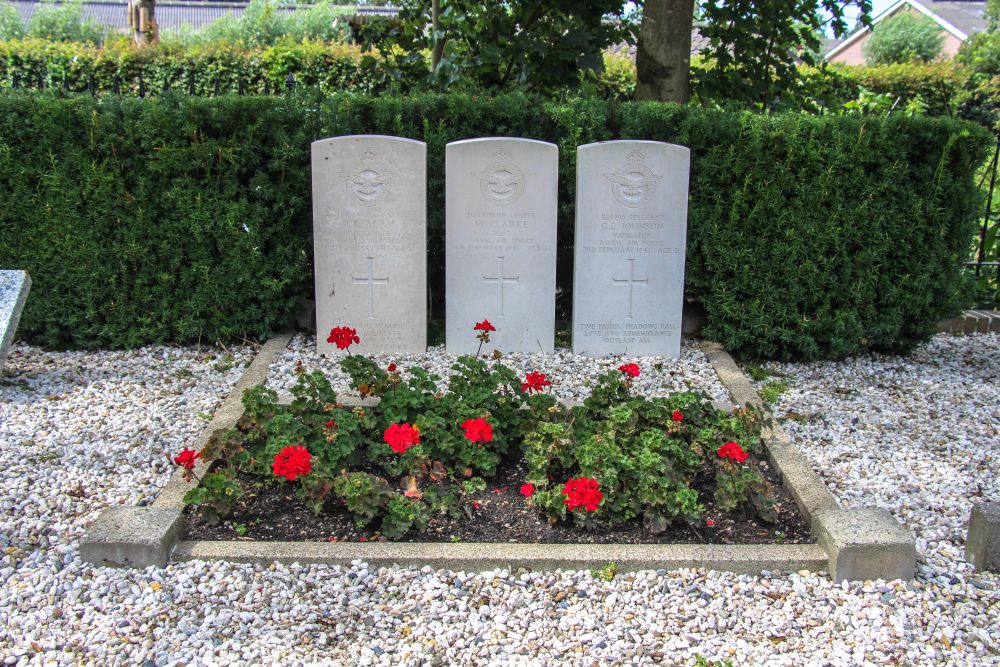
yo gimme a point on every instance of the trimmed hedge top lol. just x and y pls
(180, 218)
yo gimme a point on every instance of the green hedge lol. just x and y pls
(182, 218)
(330, 67)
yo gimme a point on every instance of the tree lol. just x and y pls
(663, 57)
(10, 23)
(753, 46)
(142, 20)
(533, 45)
(902, 38)
(64, 22)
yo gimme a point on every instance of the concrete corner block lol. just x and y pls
(982, 542)
(133, 537)
(865, 543)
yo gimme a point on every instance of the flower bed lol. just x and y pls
(493, 458)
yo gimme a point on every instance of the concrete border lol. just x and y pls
(225, 417)
(143, 536)
(808, 489)
(861, 544)
(743, 559)
(849, 540)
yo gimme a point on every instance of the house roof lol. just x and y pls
(959, 18)
(969, 17)
(172, 14)
(698, 44)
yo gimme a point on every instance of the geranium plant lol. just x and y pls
(423, 451)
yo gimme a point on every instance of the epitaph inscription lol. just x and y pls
(500, 242)
(369, 228)
(631, 229)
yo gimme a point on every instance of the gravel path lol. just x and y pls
(79, 432)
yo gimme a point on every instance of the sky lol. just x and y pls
(878, 6)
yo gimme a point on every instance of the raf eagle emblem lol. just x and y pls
(502, 181)
(367, 183)
(634, 183)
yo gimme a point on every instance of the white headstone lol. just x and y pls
(370, 235)
(631, 231)
(500, 257)
(14, 286)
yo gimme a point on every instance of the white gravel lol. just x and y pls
(79, 432)
(572, 376)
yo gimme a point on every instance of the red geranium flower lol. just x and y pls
(733, 451)
(292, 462)
(582, 493)
(677, 416)
(330, 424)
(484, 326)
(187, 458)
(343, 337)
(527, 489)
(534, 381)
(478, 430)
(631, 370)
(392, 368)
(401, 437)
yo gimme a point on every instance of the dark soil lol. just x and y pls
(270, 512)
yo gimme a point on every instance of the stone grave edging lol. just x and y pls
(862, 543)
(133, 536)
(152, 536)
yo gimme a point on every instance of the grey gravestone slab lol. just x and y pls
(370, 233)
(631, 230)
(982, 544)
(501, 243)
(14, 287)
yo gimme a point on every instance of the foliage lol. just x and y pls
(516, 45)
(606, 572)
(10, 22)
(365, 495)
(403, 515)
(938, 85)
(265, 23)
(165, 222)
(987, 285)
(904, 37)
(981, 53)
(203, 67)
(215, 496)
(436, 474)
(614, 459)
(754, 46)
(644, 459)
(615, 82)
(64, 22)
(807, 236)
(772, 391)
